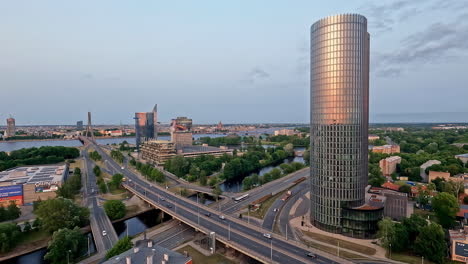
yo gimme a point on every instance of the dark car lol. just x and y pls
(208, 214)
(168, 206)
(311, 255)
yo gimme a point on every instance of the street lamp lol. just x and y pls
(68, 257)
(271, 251)
(198, 212)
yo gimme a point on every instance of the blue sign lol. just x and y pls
(461, 249)
(12, 190)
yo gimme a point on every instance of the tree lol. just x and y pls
(289, 148)
(27, 227)
(13, 210)
(400, 238)
(217, 192)
(115, 209)
(413, 226)
(61, 213)
(306, 157)
(386, 232)
(445, 207)
(431, 244)
(97, 171)
(275, 173)
(117, 180)
(120, 247)
(405, 189)
(9, 235)
(67, 244)
(203, 179)
(438, 182)
(375, 175)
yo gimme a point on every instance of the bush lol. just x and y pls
(115, 209)
(120, 247)
(465, 200)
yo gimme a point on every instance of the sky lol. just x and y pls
(235, 61)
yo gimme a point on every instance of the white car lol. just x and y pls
(104, 232)
(275, 210)
(222, 217)
(267, 235)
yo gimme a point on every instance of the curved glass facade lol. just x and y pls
(339, 117)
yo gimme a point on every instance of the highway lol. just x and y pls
(270, 216)
(245, 238)
(259, 192)
(98, 218)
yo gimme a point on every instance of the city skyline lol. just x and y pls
(413, 60)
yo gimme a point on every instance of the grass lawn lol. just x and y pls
(404, 257)
(343, 243)
(77, 164)
(260, 213)
(33, 236)
(425, 214)
(177, 191)
(332, 250)
(199, 258)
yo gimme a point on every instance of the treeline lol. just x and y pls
(71, 186)
(255, 180)
(12, 211)
(254, 159)
(117, 156)
(416, 234)
(36, 156)
(94, 155)
(221, 141)
(411, 162)
(193, 169)
(294, 140)
(34, 137)
(148, 171)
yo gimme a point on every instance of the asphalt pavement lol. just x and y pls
(245, 237)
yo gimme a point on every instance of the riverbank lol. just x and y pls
(57, 139)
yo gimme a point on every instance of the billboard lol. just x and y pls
(46, 187)
(461, 249)
(11, 190)
(11, 193)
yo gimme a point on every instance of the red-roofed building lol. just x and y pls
(391, 186)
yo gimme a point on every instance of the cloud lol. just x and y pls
(87, 76)
(383, 15)
(256, 74)
(437, 43)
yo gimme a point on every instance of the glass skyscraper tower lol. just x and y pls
(339, 118)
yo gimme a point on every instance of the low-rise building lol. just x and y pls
(396, 203)
(462, 157)
(372, 137)
(25, 185)
(145, 251)
(389, 165)
(386, 149)
(285, 132)
(439, 174)
(459, 245)
(159, 151)
(426, 165)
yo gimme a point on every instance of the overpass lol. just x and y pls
(231, 231)
(99, 221)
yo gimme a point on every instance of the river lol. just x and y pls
(236, 184)
(136, 225)
(10, 146)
